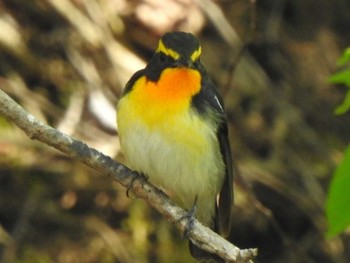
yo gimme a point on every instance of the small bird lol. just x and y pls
(173, 129)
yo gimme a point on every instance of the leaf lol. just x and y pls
(338, 202)
(341, 77)
(345, 106)
(345, 58)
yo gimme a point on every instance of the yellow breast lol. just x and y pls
(164, 138)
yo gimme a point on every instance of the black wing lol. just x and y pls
(225, 201)
(210, 97)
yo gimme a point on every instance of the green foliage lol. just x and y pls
(345, 106)
(343, 77)
(345, 58)
(338, 203)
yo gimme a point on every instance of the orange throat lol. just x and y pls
(175, 86)
(170, 96)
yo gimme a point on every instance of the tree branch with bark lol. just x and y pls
(200, 235)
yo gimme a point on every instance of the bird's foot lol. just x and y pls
(138, 176)
(190, 217)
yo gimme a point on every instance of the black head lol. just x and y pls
(180, 46)
(175, 49)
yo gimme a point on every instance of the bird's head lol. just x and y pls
(179, 49)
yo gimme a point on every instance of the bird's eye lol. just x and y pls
(165, 58)
(197, 62)
(162, 56)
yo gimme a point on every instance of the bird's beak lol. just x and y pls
(184, 63)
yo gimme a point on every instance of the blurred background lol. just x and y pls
(67, 62)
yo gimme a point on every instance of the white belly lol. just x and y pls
(181, 156)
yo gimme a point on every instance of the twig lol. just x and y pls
(217, 17)
(200, 235)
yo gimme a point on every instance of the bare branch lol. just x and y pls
(200, 235)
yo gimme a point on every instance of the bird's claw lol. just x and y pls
(132, 182)
(190, 217)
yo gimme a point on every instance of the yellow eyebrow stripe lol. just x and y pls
(195, 55)
(167, 51)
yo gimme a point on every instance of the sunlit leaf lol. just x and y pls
(345, 106)
(341, 77)
(345, 58)
(338, 202)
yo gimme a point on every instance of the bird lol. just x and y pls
(173, 128)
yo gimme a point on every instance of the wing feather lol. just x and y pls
(209, 96)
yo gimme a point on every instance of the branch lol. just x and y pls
(202, 236)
